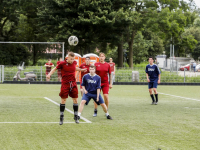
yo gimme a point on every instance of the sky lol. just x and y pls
(197, 3)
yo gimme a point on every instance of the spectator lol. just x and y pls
(194, 66)
(112, 67)
(48, 66)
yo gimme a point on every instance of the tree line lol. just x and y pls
(133, 29)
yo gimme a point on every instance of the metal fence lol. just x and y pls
(121, 74)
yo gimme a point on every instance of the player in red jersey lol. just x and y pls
(103, 69)
(68, 84)
(59, 71)
(112, 68)
(85, 65)
(48, 66)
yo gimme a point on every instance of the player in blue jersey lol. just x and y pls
(153, 78)
(91, 84)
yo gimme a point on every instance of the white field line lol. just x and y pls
(36, 122)
(180, 97)
(87, 121)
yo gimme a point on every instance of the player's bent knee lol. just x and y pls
(83, 102)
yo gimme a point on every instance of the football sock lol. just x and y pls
(152, 97)
(156, 95)
(107, 114)
(62, 109)
(75, 107)
(95, 111)
(79, 114)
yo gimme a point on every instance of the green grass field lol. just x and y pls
(172, 124)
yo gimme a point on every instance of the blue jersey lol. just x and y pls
(153, 72)
(91, 83)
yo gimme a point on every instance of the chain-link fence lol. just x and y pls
(38, 73)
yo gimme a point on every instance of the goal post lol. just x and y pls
(63, 44)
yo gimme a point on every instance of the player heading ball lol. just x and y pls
(153, 79)
(68, 84)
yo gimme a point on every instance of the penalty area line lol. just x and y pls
(87, 121)
(180, 97)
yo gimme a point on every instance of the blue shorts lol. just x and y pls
(153, 84)
(88, 97)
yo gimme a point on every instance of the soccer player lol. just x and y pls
(68, 84)
(153, 79)
(112, 68)
(85, 65)
(48, 66)
(91, 86)
(59, 71)
(103, 69)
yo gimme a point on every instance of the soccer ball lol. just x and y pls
(73, 40)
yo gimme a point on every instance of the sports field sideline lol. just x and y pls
(28, 120)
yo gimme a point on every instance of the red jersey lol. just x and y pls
(58, 63)
(48, 69)
(84, 66)
(67, 71)
(112, 67)
(103, 69)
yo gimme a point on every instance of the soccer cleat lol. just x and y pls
(152, 103)
(76, 118)
(156, 103)
(109, 117)
(61, 119)
(95, 114)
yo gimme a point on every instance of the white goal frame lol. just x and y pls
(63, 44)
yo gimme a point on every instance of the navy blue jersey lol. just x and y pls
(153, 72)
(91, 83)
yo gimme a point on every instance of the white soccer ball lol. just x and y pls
(73, 40)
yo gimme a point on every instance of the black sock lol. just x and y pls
(156, 95)
(62, 109)
(152, 97)
(95, 111)
(75, 107)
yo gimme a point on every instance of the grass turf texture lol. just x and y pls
(173, 124)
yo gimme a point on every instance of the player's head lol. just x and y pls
(60, 59)
(111, 60)
(92, 69)
(87, 60)
(49, 61)
(151, 60)
(102, 57)
(71, 57)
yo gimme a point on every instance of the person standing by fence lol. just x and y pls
(112, 68)
(48, 66)
(194, 66)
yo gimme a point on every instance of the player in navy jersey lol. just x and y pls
(91, 84)
(153, 78)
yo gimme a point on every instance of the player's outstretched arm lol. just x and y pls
(50, 73)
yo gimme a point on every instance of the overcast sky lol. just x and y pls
(197, 3)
